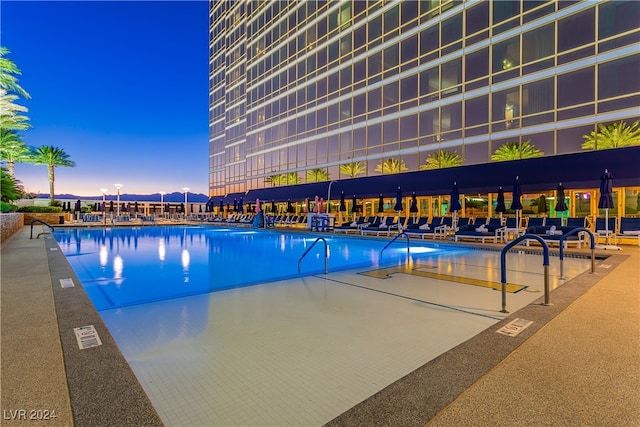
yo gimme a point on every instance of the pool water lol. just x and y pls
(121, 267)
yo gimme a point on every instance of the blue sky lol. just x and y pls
(122, 87)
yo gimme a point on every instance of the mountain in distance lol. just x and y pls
(175, 197)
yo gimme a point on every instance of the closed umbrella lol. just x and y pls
(398, 207)
(240, 207)
(235, 205)
(258, 206)
(199, 208)
(516, 205)
(167, 208)
(606, 199)
(290, 208)
(221, 206)
(500, 206)
(306, 205)
(77, 207)
(354, 204)
(273, 207)
(414, 203)
(110, 205)
(321, 207)
(228, 206)
(380, 203)
(454, 205)
(182, 208)
(343, 206)
(135, 207)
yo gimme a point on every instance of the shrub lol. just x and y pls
(7, 207)
(41, 209)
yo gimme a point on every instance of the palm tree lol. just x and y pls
(390, 166)
(275, 180)
(292, 178)
(516, 151)
(13, 150)
(352, 169)
(10, 188)
(317, 175)
(10, 117)
(52, 157)
(8, 72)
(614, 135)
(442, 159)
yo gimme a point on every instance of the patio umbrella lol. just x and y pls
(191, 207)
(454, 205)
(321, 207)
(167, 208)
(606, 199)
(258, 206)
(235, 205)
(200, 208)
(516, 205)
(240, 207)
(221, 206)
(380, 203)
(398, 207)
(228, 206)
(290, 207)
(316, 201)
(110, 205)
(500, 206)
(414, 203)
(343, 206)
(354, 204)
(102, 207)
(77, 207)
(306, 205)
(135, 207)
(273, 207)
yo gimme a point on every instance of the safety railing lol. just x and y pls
(402, 233)
(43, 223)
(326, 254)
(592, 239)
(503, 267)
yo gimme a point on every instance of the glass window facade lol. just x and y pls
(306, 85)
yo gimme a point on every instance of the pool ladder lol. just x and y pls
(401, 234)
(326, 254)
(43, 223)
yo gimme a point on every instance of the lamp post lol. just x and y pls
(104, 206)
(162, 193)
(186, 191)
(118, 187)
(329, 197)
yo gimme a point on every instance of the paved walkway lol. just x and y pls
(579, 364)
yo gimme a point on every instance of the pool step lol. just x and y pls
(385, 273)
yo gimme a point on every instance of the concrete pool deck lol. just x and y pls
(579, 363)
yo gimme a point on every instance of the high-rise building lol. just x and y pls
(305, 91)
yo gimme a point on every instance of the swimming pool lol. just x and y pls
(121, 267)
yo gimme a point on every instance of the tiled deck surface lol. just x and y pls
(578, 364)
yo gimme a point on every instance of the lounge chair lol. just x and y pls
(350, 227)
(373, 222)
(415, 223)
(629, 228)
(481, 230)
(602, 229)
(383, 227)
(576, 222)
(437, 227)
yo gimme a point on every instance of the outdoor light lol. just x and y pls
(104, 208)
(162, 193)
(186, 191)
(118, 187)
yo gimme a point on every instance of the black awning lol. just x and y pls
(578, 170)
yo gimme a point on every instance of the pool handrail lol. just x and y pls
(503, 267)
(43, 223)
(402, 233)
(326, 254)
(592, 247)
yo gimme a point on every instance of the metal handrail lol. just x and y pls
(326, 254)
(593, 244)
(43, 223)
(402, 233)
(503, 267)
